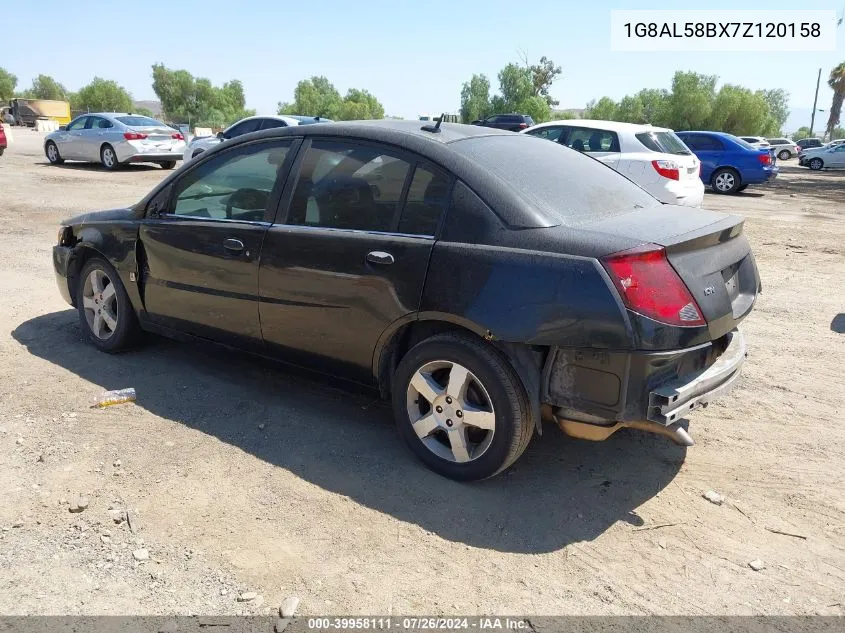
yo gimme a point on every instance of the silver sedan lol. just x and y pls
(114, 139)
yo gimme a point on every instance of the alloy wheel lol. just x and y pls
(99, 301)
(816, 163)
(108, 157)
(52, 153)
(451, 411)
(725, 181)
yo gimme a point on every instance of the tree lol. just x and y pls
(144, 112)
(543, 75)
(185, 98)
(738, 110)
(692, 100)
(515, 84)
(838, 132)
(778, 104)
(102, 95)
(656, 106)
(359, 105)
(836, 81)
(475, 99)
(8, 83)
(604, 109)
(631, 110)
(314, 97)
(801, 132)
(45, 87)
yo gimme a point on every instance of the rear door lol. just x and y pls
(709, 150)
(96, 133)
(349, 254)
(600, 144)
(201, 253)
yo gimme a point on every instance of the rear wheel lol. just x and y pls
(109, 158)
(725, 180)
(168, 164)
(742, 188)
(784, 154)
(461, 407)
(105, 312)
(816, 164)
(52, 152)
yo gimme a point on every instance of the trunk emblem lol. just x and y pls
(709, 290)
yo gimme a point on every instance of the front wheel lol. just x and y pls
(168, 164)
(725, 180)
(784, 154)
(816, 164)
(461, 407)
(108, 157)
(105, 312)
(52, 152)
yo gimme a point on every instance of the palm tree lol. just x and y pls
(837, 84)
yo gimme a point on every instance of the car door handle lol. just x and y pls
(232, 245)
(380, 257)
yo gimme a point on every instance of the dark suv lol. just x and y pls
(512, 122)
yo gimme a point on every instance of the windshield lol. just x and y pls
(140, 121)
(560, 182)
(665, 142)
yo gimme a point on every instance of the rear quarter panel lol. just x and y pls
(524, 296)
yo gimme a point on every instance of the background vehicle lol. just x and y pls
(3, 141)
(653, 157)
(729, 164)
(809, 143)
(512, 122)
(447, 118)
(829, 156)
(113, 139)
(28, 111)
(250, 124)
(586, 295)
(755, 141)
(784, 148)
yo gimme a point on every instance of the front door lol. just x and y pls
(350, 254)
(200, 273)
(69, 141)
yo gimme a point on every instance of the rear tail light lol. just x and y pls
(667, 168)
(765, 159)
(178, 136)
(650, 286)
(134, 136)
(522, 126)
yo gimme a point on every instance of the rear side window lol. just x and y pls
(348, 187)
(244, 127)
(548, 133)
(428, 197)
(590, 140)
(140, 121)
(561, 184)
(271, 123)
(701, 142)
(664, 142)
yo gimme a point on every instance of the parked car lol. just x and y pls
(756, 141)
(115, 139)
(512, 122)
(809, 143)
(729, 164)
(469, 274)
(784, 148)
(653, 157)
(250, 124)
(829, 156)
(3, 142)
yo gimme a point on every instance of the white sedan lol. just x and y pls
(831, 155)
(653, 157)
(199, 144)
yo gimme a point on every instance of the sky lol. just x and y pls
(414, 56)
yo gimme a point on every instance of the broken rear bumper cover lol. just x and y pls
(607, 387)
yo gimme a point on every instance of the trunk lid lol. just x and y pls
(708, 251)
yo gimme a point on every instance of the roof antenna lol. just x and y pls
(434, 128)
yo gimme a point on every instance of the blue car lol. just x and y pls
(729, 164)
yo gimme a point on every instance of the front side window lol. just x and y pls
(235, 185)
(77, 124)
(244, 127)
(428, 197)
(549, 133)
(98, 123)
(590, 140)
(347, 186)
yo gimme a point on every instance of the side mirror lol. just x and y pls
(221, 136)
(63, 128)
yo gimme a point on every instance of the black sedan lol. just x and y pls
(482, 280)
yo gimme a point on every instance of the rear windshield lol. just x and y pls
(140, 121)
(665, 142)
(560, 182)
(779, 141)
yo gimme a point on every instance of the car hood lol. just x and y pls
(110, 215)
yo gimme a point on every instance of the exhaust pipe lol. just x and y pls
(599, 433)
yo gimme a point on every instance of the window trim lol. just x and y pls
(275, 194)
(412, 158)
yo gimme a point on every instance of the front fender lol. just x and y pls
(115, 242)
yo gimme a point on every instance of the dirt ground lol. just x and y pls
(240, 477)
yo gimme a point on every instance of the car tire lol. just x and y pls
(108, 157)
(741, 188)
(107, 317)
(816, 164)
(784, 155)
(51, 150)
(725, 180)
(168, 164)
(442, 436)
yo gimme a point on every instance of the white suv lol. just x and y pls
(652, 157)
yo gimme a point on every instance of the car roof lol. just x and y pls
(613, 126)
(709, 133)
